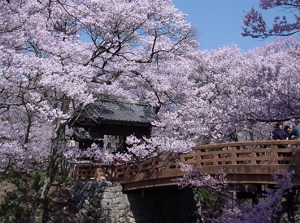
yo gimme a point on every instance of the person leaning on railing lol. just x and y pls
(295, 134)
(280, 134)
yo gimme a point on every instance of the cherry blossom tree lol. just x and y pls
(231, 96)
(239, 96)
(56, 56)
(270, 208)
(255, 26)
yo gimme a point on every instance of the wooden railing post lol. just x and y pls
(253, 157)
(274, 154)
(215, 159)
(198, 158)
(233, 155)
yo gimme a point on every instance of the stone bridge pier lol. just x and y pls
(105, 202)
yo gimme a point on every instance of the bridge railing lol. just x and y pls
(89, 171)
(254, 153)
(250, 153)
(245, 153)
(146, 167)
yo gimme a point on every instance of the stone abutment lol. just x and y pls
(105, 202)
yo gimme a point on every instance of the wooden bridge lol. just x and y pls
(251, 162)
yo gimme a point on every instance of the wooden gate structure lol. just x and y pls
(251, 162)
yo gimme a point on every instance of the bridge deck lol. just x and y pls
(243, 162)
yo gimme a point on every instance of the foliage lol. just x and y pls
(239, 95)
(58, 56)
(211, 203)
(207, 198)
(210, 190)
(269, 209)
(79, 52)
(194, 177)
(65, 53)
(18, 194)
(256, 27)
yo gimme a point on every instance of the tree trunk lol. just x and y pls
(57, 146)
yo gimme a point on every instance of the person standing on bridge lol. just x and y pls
(279, 133)
(296, 130)
(289, 129)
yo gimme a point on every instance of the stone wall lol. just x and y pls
(104, 202)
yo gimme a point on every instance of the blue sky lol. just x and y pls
(219, 22)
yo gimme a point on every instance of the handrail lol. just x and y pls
(247, 143)
(245, 153)
(235, 153)
(234, 156)
(156, 164)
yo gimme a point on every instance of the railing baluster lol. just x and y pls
(198, 158)
(253, 157)
(274, 154)
(233, 155)
(215, 159)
